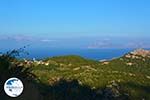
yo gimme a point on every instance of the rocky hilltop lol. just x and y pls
(141, 52)
(138, 53)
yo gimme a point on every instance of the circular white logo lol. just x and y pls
(13, 87)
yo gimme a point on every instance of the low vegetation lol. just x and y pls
(76, 78)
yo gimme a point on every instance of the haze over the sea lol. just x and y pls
(79, 24)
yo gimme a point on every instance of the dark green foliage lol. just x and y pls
(133, 79)
(9, 67)
(76, 78)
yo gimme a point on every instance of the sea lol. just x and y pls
(95, 54)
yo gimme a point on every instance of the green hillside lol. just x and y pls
(76, 78)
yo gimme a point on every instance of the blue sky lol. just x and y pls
(75, 23)
(62, 18)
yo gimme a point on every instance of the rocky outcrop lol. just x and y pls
(141, 52)
(138, 54)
